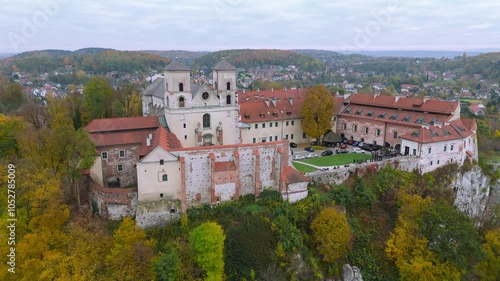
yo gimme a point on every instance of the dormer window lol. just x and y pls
(288, 113)
(262, 115)
(181, 87)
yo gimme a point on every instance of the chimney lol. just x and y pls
(258, 90)
(272, 90)
(284, 89)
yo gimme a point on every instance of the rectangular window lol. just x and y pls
(162, 161)
(395, 135)
(104, 155)
(431, 163)
(334, 118)
(287, 123)
(451, 147)
(271, 125)
(275, 138)
(271, 138)
(366, 130)
(185, 137)
(445, 148)
(378, 132)
(122, 153)
(414, 151)
(344, 126)
(254, 140)
(184, 125)
(291, 136)
(256, 126)
(293, 122)
(303, 135)
(355, 128)
(119, 167)
(276, 124)
(263, 125)
(286, 136)
(430, 150)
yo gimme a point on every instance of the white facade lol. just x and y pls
(158, 176)
(274, 131)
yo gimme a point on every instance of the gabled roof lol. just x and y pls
(415, 104)
(293, 176)
(157, 88)
(120, 138)
(450, 131)
(273, 105)
(163, 138)
(223, 65)
(177, 66)
(122, 124)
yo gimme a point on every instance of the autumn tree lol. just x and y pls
(317, 111)
(127, 102)
(11, 98)
(489, 269)
(10, 127)
(332, 234)
(207, 241)
(167, 265)
(97, 99)
(131, 255)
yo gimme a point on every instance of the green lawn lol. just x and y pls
(337, 159)
(303, 168)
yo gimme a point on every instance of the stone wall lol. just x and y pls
(112, 203)
(128, 176)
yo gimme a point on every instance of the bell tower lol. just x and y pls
(178, 86)
(224, 75)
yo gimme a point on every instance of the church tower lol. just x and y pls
(202, 115)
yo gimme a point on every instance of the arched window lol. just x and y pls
(228, 99)
(181, 87)
(164, 178)
(228, 86)
(181, 101)
(206, 120)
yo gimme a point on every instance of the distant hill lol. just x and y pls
(97, 60)
(325, 55)
(6, 55)
(415, 54)
(248, 58)
(187, 57)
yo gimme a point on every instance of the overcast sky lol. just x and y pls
(234, 24)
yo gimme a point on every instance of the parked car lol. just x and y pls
(343, 146)
(298, 157)
(311, 155)
(360, 144)
(358, 150)
(367, 147)
(326, 153)
(309, 148)
(341, 151)
(292, 144)
(355, 143)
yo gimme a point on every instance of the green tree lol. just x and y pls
(10, 127)
(317, 111)
(167, 265)
(12, 98)
(207, 241)
(97, 99)
(332, 234)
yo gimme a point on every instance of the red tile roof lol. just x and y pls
(415, 104)
(391, 115)
(294, 176)
(162, 138)
(122, 124)
(450, 131)
(270, 105)
(120, 138)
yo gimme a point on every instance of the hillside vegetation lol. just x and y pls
(99, 61)
(248, 58)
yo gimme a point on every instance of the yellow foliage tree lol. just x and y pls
(131, 255)
(317, 111)
(332, 234)
(489, 269)
(410, 251)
